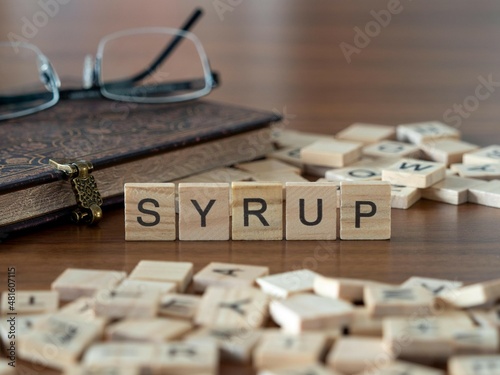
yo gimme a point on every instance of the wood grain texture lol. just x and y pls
(285, 55)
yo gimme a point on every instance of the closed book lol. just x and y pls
(125, 142)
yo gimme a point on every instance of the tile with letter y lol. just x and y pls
(150, 212)
(203, 212)
(311, 211)
(365, 210)
(257, 212)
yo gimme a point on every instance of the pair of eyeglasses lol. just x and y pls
(29, 83)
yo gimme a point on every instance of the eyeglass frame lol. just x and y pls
(97, 85)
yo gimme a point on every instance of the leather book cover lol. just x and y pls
(116, 134)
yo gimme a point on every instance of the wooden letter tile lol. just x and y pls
(474, 364)
(242, 307)
(351, 355)
(343, 288)
(360, 173)
(486, 155)
(366, 133)
(311, 211)
(101, 370)
(179, 273)
(365, 210)
(363, 324)
(117, 304)
(183, 306)
(421, 132)
(257, 212)
(481, 171)
(150, 212)
(416, 173)
(74, 283)
(123, 354)
(288, 155)
(435, 286)
(475, 340)
(473, 295)
(403, 197)
(446, 151)
(162, 287)
(151, 330)
(387, 301)
(278, 349)
(192, 357)
(392, 149)
(451, 190)
(331, 153)
(310, 312)
(405, 368)
(309, 369)
(282, 285)
(487, 194)
(203, 213)
(19, 326)
(228, 275)
(30, 302)
(268, 165)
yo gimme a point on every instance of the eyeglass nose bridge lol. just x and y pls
(47, 74)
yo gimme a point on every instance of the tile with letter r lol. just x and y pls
(228, 275)
(311, 211)
(29, 302)
(257, 212)
(240, 307)
(415, 173)
(365, 210)
(150, 212)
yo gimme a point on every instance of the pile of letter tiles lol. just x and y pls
(163, 318)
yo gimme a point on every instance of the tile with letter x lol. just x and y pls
(277, 349)
(29, 302)
(414, 173)
(365, 210)
(179, 273)
(474, 364)
(74, 283)
(387, 301)
(227, 274)
(257, 212)
(150, 212)
(203, 212)
(241, 307)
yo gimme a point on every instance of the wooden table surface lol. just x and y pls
(285, 55)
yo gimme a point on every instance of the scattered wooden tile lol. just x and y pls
(308, 369)
(277, 349)
(150, 212)
(6, 369)
(218, 175)
(315, 170)
(480, 171)
(487, 194)
(475, 340)
(394, 301)
(434, 286)
(74, 283)
(405, 368)
(474, 364)
(294, 138)
(192, 357)
(183, 306)
(403, 197)
(354, 174)
(162, 287)
(413, 172)
(268, 165)
(427, 338)
(203, 212)
(59, 341)
(242, 307)
(118, 304)
(311, 211)
(148, 330)
(451, 190)
(179, 273)
(282, 285)
(310, 312)
(486, 318)
(82, 307)
(343, 288)
(331, 153)
(392, 149)
(257, 212)
(485, 155)
(142, 355)
(236, 344)
(14, 327)
(366, 133)
(446, 151)
(289, 155)
(228, 275)
(278, 176)
(363, 324)
(474, 295)
(421, 132)
(351, 355)
(365, 210)
(29, 302)
(101, 370)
